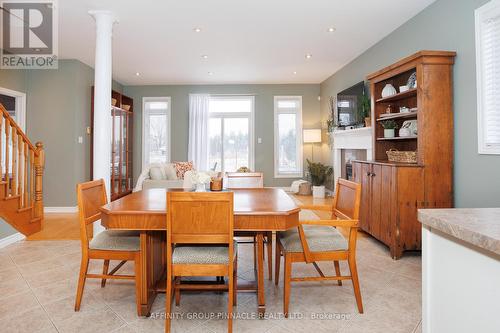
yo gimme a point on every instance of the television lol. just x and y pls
(349, 104)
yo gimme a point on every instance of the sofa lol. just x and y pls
(164, 175)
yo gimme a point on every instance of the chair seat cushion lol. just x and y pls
(117, 240)
(202, 254)
(319, 239)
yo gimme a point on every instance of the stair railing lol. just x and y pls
(21, 165)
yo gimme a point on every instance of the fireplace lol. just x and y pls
(347, 156)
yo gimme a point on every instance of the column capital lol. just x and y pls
(104, 15)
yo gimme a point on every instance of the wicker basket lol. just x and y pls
(402, 156)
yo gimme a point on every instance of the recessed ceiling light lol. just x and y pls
(204, 56)
(308, 56)
(197, 29)
(210, 73)
(294, 73)
(331, 29)
(137, 74)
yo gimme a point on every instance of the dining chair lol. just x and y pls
(246, 180)
(200, 243)
(319, 240)
(107, 245)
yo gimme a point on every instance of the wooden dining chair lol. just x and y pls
(319, 240)
(246, 180)
(200, 243)
(107, 245)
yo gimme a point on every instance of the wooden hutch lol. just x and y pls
(121, 108)
(392, 192)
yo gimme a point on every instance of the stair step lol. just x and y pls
(20, 210)
(36, 219)
(12, 197)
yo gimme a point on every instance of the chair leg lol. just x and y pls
(269, 247)
(177, 290)
(337, 271)
(235, 278)
(277, 262)
(254, 253)
(288, 276)
(138, 282)
(81, 281)
(355, 283)
(230, 305)
(105, 268)
(168, 303)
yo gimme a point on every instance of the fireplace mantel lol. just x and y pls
(359, 138)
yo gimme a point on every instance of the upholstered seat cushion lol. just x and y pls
(319, 238)
(202, 254)
(117, 240)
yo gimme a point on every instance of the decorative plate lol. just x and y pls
(412, 81)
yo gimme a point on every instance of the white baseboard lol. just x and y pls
(11, 239)
(60, 209)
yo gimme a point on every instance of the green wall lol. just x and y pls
(264, 113)
(444, 25)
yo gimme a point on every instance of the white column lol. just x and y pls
(102, 98)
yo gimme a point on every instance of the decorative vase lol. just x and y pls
(388, 90)
(368, 121)
(389, 133)
(200, 187)
(318, 191)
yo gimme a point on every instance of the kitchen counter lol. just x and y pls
(478, 226)
(460, 270)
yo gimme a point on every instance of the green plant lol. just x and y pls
(389, 124)
(318, 172)
(364, 107)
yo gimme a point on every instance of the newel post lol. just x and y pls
(39, 166)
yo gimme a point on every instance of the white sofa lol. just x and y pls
(163, 175)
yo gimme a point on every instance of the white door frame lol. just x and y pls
(20, 106)
(167, 99)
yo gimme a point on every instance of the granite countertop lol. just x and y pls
(477, 226)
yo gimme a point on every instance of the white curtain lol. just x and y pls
(198, 130)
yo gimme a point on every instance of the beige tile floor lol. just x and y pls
(38, 284)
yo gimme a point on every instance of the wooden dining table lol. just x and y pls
(256, 211)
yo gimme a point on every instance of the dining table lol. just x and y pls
(257, 211)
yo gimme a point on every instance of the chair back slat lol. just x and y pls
(347, 199)
(91, 196)
(236, 180)
(194, 217)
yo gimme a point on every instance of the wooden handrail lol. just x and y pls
(21, 165)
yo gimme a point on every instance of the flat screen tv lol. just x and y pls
(348, 104)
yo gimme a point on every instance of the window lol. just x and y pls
(155, 130)
(287, 136)
(488, 77)
(230, 132)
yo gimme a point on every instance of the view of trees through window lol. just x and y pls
(229, 133)
(156, 130)
(288, 139)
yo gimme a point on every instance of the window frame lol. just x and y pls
(251, 125)
(300, 172)
(145, 114)
(481, 14)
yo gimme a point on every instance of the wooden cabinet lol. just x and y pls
(391, 191)
(121, 108)
(390, 197)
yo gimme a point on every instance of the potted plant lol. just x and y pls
(318, 174)
(364, 110)
(389, 128)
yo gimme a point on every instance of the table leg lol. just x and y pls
(152, 267)
(260, 274)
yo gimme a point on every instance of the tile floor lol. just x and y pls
(38, 285)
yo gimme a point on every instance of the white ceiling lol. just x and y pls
(252, 41)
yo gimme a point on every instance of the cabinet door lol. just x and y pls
(376, 199)
(388, 199)
(361, 174)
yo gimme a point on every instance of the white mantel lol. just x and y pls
(359, 138)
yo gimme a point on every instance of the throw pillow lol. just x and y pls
(170, 171)
(182, 167)
(155, 173)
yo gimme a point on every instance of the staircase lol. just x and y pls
(21, 175)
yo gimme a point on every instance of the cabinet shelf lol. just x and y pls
(403, 115)
(398, 138)
(399, 96)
